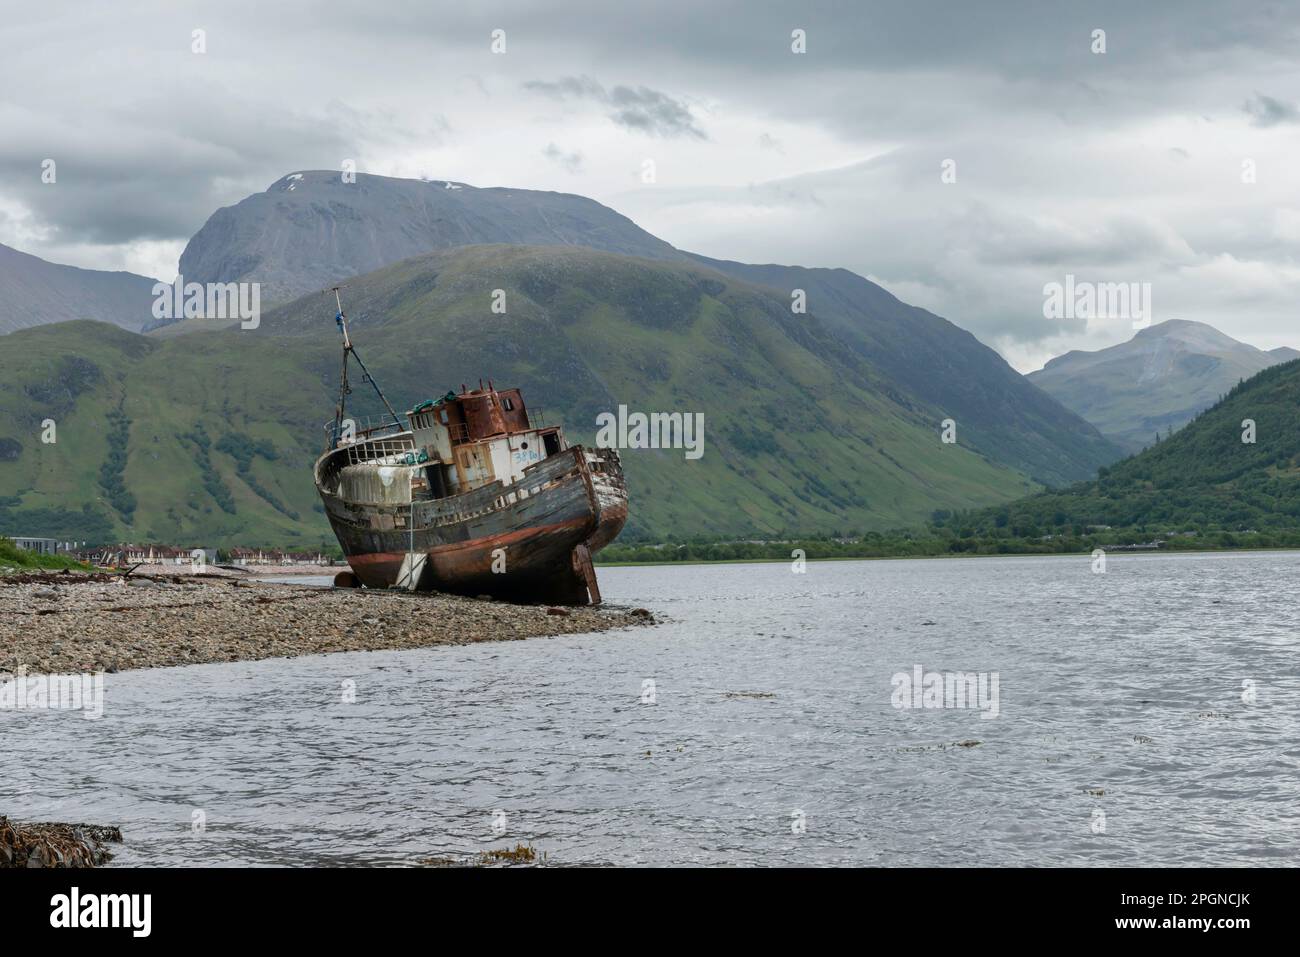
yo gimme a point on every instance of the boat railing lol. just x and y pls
(377, 448)
(392, 449)
(358, 428)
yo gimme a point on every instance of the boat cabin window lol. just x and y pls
(551, 442)
(509, 407)
(444, 416)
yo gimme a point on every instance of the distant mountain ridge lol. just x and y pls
(1156, 382)
(35, 292)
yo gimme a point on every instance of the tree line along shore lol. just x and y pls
(886, 545)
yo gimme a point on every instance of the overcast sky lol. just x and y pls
(1123, 166)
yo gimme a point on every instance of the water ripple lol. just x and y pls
(1119, 693)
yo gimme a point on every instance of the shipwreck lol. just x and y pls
(471, 494)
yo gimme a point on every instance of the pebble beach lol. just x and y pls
(62, 623)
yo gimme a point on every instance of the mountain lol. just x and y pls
(824, 421)
(210, 436)
(1205, 477)
(995, 408)
(1155, 382)
(310, 229)
(1284, 353)
(34, 292)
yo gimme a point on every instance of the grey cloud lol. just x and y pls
(999, 238)
(1014, 37)
(637, 108)
(172, 160)
(1021, 39)
(1266, 111)
(572, 162)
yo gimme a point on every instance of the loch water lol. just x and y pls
(1149, 715)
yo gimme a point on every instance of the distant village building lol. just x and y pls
(306, 558)
(42, 546)
(275, 556)
(127, 554)
(249, 556)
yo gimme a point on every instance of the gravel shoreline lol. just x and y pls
(52, 623)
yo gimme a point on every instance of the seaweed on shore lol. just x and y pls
(55, 845)
(519, 854)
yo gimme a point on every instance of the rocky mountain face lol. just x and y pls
(311, 229)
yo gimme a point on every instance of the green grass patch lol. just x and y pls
(11, 556)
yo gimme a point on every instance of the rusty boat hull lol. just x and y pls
(529, 541)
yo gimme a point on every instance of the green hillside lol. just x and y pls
(210, 436)
(1202, 479)
(1000, 412)
(151, 438)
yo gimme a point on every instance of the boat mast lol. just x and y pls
(344, 390)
